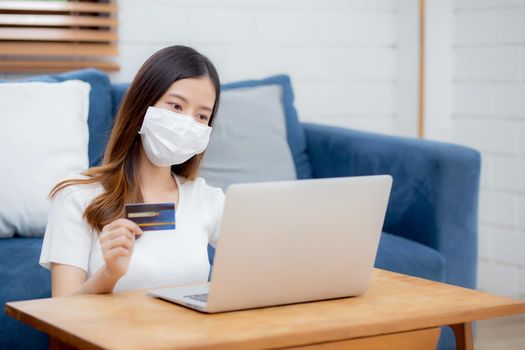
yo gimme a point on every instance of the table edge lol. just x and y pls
(294, 338)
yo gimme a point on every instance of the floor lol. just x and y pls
(502, 334)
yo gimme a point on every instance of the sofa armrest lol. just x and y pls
(434, 198)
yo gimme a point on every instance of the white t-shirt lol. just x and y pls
(160, 258)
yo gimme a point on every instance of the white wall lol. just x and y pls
(486, 95)
(489, 114)
(342, 55)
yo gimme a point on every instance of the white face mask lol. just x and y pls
(171, 138)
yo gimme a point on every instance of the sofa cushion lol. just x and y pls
(118, 90)
(100, 118)
(21, 278)
(44, 138)
(248, 142)
(402, 255)
(294, 131)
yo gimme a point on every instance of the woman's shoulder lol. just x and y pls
(78, 191)
(201, 183)
(201, 187)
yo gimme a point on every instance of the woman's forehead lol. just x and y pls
(198, 89)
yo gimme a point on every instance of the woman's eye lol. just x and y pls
(203, 117)
(176, 106)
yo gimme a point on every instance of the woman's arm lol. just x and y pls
(116, 240)
(67, 280)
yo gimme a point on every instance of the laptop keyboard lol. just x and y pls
(199, 297)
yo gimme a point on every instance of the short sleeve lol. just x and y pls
(67, 239)
(218, 207)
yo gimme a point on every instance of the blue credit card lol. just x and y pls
(152, 217)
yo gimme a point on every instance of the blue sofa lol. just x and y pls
(430, 229)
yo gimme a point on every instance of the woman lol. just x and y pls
(153, 156)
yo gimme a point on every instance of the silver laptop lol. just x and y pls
(290, 242)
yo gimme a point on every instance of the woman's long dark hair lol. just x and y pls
(119, 169)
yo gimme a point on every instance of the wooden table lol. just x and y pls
(397, 311)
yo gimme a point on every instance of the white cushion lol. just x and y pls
(43, 139)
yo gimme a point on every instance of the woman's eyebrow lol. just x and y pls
(185, 100)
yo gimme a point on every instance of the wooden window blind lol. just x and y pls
(53, 36)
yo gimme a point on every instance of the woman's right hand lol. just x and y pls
(117, 241)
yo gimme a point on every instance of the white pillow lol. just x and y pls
(43, 138)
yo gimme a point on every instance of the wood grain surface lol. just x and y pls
(394, 303)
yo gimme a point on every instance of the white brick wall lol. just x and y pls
(347, 58)
(473, 131)
(502, 278)
(488, 90)
(521, 213)
(522, 138)
(340, 54)
(497, 208)
(487, 63)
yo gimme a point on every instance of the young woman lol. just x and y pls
(156, 146)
